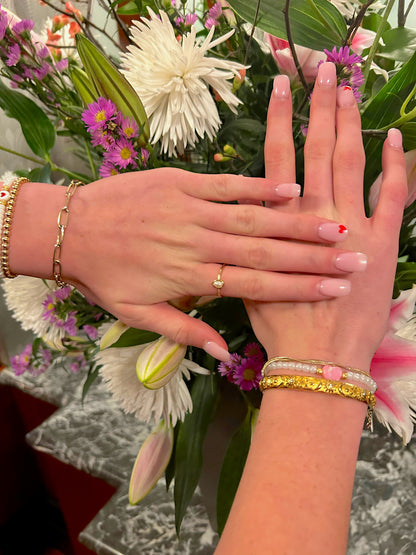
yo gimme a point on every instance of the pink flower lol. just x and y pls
(308, 58)
(247, 374)
(122, 154)
(394, 368)
(411, 182)
(363, 39)
(13, 55)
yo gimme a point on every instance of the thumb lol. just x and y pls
(168, 321)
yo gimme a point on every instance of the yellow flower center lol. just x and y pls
(100, 116)
(51, 306)
(128, 131)
(125, 153)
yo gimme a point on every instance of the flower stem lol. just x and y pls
(90, 160)
(36, 161)
(375, 44)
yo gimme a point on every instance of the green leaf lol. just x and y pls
(409, 135)
(232, 469)
(41, 175)
(92, 376)
(129, 9)
(36, 127)
(132, 337)
(400, 44)
(191, 435)
(316, 24)
(381, 111)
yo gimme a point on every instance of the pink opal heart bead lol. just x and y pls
(332, 372)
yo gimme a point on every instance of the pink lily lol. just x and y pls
(411, 182)
(151, 462)
(394, 369)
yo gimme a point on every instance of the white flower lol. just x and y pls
(170, 402)
(8, 178)
(349, 8)
(173, 81)
(24, 297)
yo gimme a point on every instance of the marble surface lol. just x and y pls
(100, 439)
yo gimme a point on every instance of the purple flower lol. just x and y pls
(190, 18)
(78, 364)
(253, 350)
(91, 331)
(62, 65)
(22, 26)
(178, 21)
(227, 368)
(41, 72)
(248, 374)
(108, 169)
(210, 22)
(4, 22)
(43, 52)
(144, 155)
(63, 293)
(50, 313)
(129, 127)
(348, 69)
(20, 363)
(27, 73)
(122, 154)
(99, 113)
(13, 56)
(70, 324)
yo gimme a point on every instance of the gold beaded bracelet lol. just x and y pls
(7, 226)
(63, 219)
(321, 385)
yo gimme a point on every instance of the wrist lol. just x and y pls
(34, 229)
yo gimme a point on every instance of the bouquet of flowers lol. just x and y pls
(191, 91)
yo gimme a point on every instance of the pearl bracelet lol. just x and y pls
(328, 370)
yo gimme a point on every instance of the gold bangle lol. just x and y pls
(63, 219)
(7, 226)
(321, 385)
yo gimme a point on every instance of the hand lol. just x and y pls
(347, 330)
(156, 236)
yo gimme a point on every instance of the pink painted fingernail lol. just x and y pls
(351, 262)
(216, 351)
(333, 232)
(395, 138)
(345, 97)
(334, 287)
(287, 190)
(327, 74)
(281, 87)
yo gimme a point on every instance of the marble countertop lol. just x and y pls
(99, 438)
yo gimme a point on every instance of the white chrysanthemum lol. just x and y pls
(24, 297)
(170, 402)
(8, 178)
(173, 80)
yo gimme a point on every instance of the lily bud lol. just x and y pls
(158, 362)
(113, 334)
(85, 88)
(112, 85)
(151, 462)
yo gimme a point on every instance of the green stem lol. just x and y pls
(4, 149)
(90, 160)
(375, 44)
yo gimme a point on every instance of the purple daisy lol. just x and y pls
(99, 113)
(122, 154)
(62, 65)
(63, 293)
(216, 11)
(4, 22)
(129, 127)
(41, 72)
(227, 368)
(210, 22)
(247, 375)
(25, 25)
(144, 156)
(13, 55)
(348, 69)
(70, 325)
(20, 363)
(107, 169)
(91, 331)
(190, 18)
(253, 350)
(50, 313)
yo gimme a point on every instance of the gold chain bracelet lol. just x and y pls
(63, 219)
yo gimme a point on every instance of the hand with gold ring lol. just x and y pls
(138, 240)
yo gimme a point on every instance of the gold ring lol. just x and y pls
(219, 282)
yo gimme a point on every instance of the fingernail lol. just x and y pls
(216, 351)
(281, 87)
(333, 232)
(345, 97)
(395, 138)
(351, 262)
(334, 287)
(327, 75)
(288, 190)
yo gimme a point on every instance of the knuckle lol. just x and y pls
(245, 220)
(221, 186)
(253, 288)
(348, 158)
(257, 256)
(317, 151)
